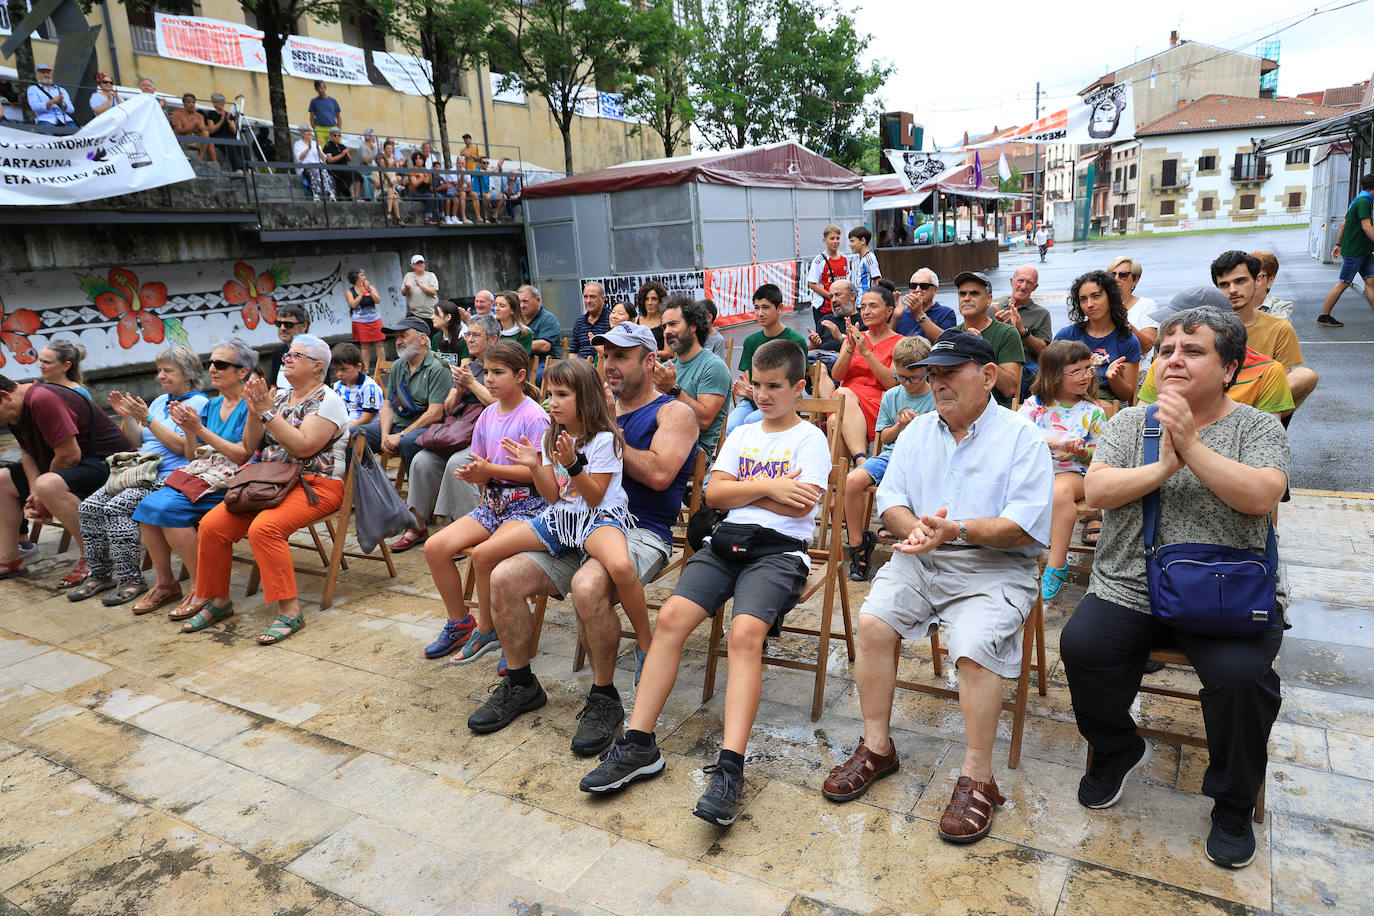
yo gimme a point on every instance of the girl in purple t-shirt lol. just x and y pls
(508, 495)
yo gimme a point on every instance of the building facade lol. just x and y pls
(1198, 169)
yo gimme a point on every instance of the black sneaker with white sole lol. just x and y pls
(1231, 843)
(1330, 321)
(719, 804)
(621, 764)
(506, 703)
(597, 724)
(1101, 786)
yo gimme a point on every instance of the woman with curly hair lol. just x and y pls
(649, 304)
(1098, 316)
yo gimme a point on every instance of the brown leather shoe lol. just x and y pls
(853, 778)
(968, 816)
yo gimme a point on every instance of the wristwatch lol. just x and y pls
(1025, 333)
(674, 391)
(963, 535)
(267, 416)
(146, 422)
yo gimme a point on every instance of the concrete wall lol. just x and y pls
(597, 142)
(1271, 204)
(1187, 73)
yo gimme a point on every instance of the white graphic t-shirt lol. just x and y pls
(750, 453)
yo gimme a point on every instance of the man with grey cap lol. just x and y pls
(421, 289)
(660, 449)
(968, 494)
(975, 300)
(1260, 381)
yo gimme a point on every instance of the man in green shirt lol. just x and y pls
(416, 388)
(768, 313)
(975, 296)
(696, 376)
(1356, 251)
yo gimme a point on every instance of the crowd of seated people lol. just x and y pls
(572, 492)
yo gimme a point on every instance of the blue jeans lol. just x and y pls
(373, 432)
(1351, 266)
(744, 412)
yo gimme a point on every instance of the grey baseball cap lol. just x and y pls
(628, 334)
(973, 275)
(1194, 297)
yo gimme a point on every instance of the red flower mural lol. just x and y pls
(14, 333)
(252, 294)
(133, 305)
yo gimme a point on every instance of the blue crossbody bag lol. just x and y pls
(1206, 588)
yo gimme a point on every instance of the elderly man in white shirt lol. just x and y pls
(50, 104)
(968, 490)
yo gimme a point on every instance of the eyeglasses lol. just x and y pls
(922, 286)
(1122, 274)
(221, 364)
(293, 355)
(1079, 373)
(903, 379)
(106, 82)
(287, 324)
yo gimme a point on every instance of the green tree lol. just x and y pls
(450, 35)
(277, 19)
(661, 96)
(837, 103)
(559, 48)
(1011, 185)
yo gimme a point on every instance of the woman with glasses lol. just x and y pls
(301, 425)
(168, 517)
(105, 96)
(1099, 320)
(291, 320)
(1127, 273)
(108, 529)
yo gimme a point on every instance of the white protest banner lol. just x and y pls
(125, 314)
(687, 282)
(209, 41)
(612, 105)
(1104, 115)
(916, 170)
(107, 157)
(313, 59)
(732, 288)
(506, 87)
(587, 103)
(405, 72)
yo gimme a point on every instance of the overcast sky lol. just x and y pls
(956, 72)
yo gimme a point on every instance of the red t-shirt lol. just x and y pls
(836, 268)
(53, 414)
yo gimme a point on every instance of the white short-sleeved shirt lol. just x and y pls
(1139, 314)
(601, 459)
(750, 453)
(1001, 469)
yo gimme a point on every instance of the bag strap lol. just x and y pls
(1150, 502)
(310, 495)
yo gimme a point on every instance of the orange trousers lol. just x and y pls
(267, 534)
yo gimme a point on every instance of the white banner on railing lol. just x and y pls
(313, 59)
(209, 41)
(107, 157)
(405, 72)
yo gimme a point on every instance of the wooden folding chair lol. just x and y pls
(381, 370)
(36, 529)
(827, 570)
(1086, 512)
(544, 382)
(336, 524)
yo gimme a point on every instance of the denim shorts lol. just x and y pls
(875, 467)
(1363, 266)
(556, 547)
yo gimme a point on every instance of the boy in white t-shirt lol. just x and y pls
(770, 477)
(359, 391)
(863, 264)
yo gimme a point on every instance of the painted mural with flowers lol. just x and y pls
(125, 315)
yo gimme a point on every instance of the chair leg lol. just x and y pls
(848, 619)
(254, 580)
(713, 653)
(541, 605)
(1018, 714)
(935, 654)
(1259, 801)
(823, 639)
(1043, 677)
(65, 544)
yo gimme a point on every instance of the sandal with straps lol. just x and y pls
(190, 606)
(968, 816)
(207, 615)
(856, 775)
(280, 629)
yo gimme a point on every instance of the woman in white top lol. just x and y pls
(1138, 308)
(307, 150)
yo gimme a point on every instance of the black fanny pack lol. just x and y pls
(746, 543)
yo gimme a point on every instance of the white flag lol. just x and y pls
(1003, 169)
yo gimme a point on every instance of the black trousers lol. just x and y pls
(1105, 646)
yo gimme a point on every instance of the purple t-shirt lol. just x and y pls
(528, 420)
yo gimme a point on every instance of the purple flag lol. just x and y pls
(977, 171)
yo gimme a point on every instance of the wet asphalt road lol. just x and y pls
(1332, 430)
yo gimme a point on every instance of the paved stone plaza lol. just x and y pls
(146, 771)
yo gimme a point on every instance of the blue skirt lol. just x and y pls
(169, 508)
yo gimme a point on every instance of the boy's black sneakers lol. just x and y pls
(1101, 786)
(720, 803)
(621, 764)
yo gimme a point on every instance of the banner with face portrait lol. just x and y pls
(1103, 116)
(921, 170)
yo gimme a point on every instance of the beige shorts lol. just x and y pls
(979, 597)
(648, 552)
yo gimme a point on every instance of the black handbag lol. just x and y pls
(1207, 589)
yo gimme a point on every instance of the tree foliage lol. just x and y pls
(277, 19)
(661, 95)
(559, 48)
(768, 70)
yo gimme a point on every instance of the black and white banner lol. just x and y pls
(129, 148)
(917, 170)
(688, 282)
(1104, 115)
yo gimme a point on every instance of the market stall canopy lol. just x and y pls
(882, 186)
(777, 165)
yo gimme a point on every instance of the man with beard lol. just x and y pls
(416, 388)
(660, 449)
(696, 376)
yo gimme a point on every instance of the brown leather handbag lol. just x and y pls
(264, 485)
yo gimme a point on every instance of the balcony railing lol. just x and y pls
(1250, 175)
(1182, 180)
